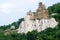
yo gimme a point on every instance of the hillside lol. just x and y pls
(47, 34)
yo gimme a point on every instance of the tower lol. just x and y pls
(42, 12)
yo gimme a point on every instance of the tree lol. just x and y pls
(54, 9)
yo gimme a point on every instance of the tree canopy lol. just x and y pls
(47, 34)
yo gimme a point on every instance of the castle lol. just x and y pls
(38, 20)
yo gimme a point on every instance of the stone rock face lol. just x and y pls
(38, 20)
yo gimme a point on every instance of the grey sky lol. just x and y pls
(12, 10)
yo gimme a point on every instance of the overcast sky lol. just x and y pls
(12, 10)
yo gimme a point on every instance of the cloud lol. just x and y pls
(16, 5)
(11, 10)
(7, 7)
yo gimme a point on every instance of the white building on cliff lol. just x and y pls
(38, 20)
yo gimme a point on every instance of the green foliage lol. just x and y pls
(57, 17)
(32, 35)
(47, 34)
(1, 35)
(5, 27)
(54, 9)
(16, 24)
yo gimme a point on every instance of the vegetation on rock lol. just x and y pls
(47, 34)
